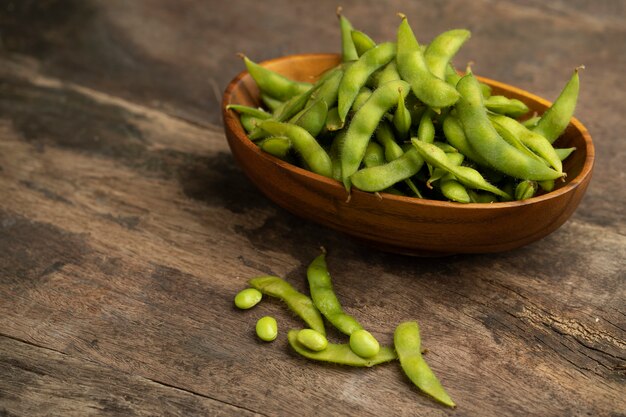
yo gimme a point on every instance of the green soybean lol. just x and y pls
(441, 50)
(313, 118)
(453, 190)
(374, 155)
(554, 121)
(402, 117)
(357, 74)
(267, 328)
(274, 84)
(252, 111)
(248, 298)
(364, 124)
(340, 354)
(412, 67)
(486, 141)
(531, 122)
(333, 122)
(364, 94)
(327, 87)
(296, 301)
(249, 123)
(388, 73)
(362, 42)
(312, 340)
(270, 102)
(453, 131)
(525, 189)
(364, 344)
(406, 340)
(311, 151)
(563, 153)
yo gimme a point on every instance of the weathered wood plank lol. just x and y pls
(106, 257)
(41, 382)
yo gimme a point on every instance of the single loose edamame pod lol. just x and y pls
(312, 340)
(266, 328)
(311, 151)
(486, 141)
(248, 298)
(357, 74)
(412, 66)
(340, 354)
(407, 342)
(554, 121)
(296, 301)
(324, 297)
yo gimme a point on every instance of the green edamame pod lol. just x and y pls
(313, 118)
(453, 131)
(362, 42)
(531, 122)
(453, 77)
(453, 190)
(483, 197)
(563, 153)
(340, 354)
(535, 142)
(525, 189)
(327, 87)
(388, 73)
(441, 50)
(374, 155)
(465, 175)
(252, 111)
(426, 129)
(364, 124)
(402, 118)
(412, 66)
(383, 176)
(333, 122)
(407, 342)
(486, 141)
(270, 102)
(507, 132)
(249, 123)
(507, 106)
(296, 301)
(278, 146)
(348, 50)
(364, 94)
(335, 149)
(554, 121)
(454, 158)
(311, 151)
(274, 84)
(324, 297)
(357, 74)
(385, 137)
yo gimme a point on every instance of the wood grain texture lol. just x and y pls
(126, 227)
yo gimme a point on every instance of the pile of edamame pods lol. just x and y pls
(362, 350)
(397, 117)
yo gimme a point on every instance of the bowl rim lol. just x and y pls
(232, 122)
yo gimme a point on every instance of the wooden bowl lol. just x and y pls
(404, 224)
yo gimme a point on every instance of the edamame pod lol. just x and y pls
(401, 118)
(362, 42)
(441, 50)
(311, 151)
(554, 121)
(357, 74)
(453, 131)
(412, 67)
(507, 106)
(272, 83)
(340, 354)
(486, 141)
(406, 340)
(388, 73)
(348, 50)
(313, 118)
(296, 301)
(383, 176)
(465, 175)
(252, 111)
(453, 190)
(278, 146)
(364, 124)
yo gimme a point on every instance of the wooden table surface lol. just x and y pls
(126, 227)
